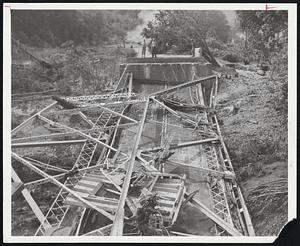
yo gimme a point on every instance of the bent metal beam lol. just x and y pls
(79, 132)
(49, 143)
(231, 230)
(117, 228)
(26, 122)
(56, 182)
(181, 86)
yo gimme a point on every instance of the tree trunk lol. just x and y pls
(207, 54)
(34, 58)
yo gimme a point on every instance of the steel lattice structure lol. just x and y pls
(110, 162)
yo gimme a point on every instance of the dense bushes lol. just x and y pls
(231, 57)
(54, 27)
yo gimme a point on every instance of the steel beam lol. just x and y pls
(95, 107)
(116, 113)
(173, 111)
(183, 145)
(181, 86)
(245, 212)
(78, 132)
(179, 126)
(99, 97)
(31, 184)
(130, 204)
(248, 222)
(229, 228)
(62, 134)
(47, 166)
(130, 84)
(85, 118)
(117, 228)
(26, 122)
(49, 143)
(114, 135)
(220, 174)
(121, 78)
(176, 233)
(56, 182)
(99, 230)
(35, 208)
(101, 107)
(192, 143)
(161, 63)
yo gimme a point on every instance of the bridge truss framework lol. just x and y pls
(104, 163)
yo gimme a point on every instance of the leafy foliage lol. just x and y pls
(87, 70)
(266, 32)
(55, 27)
(231, 57)
(64, 39)
(182, 28)
(261, 29)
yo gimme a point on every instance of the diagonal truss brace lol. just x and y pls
(31, 184)
(184, 144)
(78, 132)
(229, 228)
(71, 132)
(116, 113)
(117, 228)
(48, 143)
(56, 182)
(35, 208)
(46, 166)
(215, 173)
(181, 86)
(26, 122)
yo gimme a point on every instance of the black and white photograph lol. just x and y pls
(127, 121)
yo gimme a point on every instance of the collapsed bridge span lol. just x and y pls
(152, 160)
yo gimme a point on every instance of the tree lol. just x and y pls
(182, 27)
(261, 27)
(56, 27)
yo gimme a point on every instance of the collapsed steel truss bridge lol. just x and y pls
(131, 144)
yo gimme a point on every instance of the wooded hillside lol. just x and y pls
(53, 28)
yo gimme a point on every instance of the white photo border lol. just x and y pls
(292, 116)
